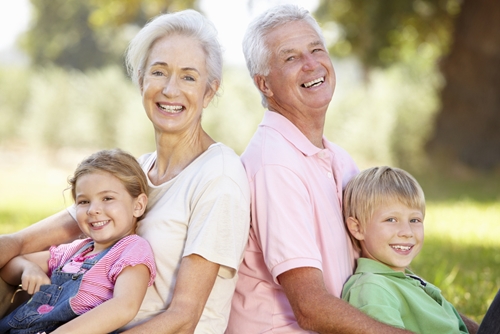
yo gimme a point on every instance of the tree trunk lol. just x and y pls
(468, 126)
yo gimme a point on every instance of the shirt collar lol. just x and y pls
(291, 133)
(371, 266)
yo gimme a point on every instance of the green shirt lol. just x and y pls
(401, 301)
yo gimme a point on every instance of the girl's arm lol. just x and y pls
(30, 270)
(194, 284)
(130, 289)
(54, 230)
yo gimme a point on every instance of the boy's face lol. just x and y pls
(394, 235)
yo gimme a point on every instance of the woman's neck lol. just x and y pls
(176, 153)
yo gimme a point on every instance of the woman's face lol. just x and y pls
(174, 85)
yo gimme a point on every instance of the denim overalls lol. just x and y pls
(50, 307)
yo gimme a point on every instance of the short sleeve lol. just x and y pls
(136, 252)
(219, 223)
(283, 220)
(377, 302)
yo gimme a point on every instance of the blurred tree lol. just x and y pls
(88, 34)
(464, 35)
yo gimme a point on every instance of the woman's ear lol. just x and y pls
(140, 205)
(210, 93)
(355, 228)
(140, 80)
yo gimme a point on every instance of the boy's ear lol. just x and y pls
(141, 203)
(355, 228)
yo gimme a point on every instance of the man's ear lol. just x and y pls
(141, 203)
(261, 83)
(355, 228)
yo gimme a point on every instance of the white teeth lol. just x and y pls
(171, 109)
(405, 248)
(314, 82)
(99, 224)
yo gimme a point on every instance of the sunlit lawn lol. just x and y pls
(461, 254)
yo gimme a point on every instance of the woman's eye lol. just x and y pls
(157, 73)
(189, 78)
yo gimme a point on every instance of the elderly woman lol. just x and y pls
(197, 217)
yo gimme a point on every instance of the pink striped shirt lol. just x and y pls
(98, 283)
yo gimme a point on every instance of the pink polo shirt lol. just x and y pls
(296, 191)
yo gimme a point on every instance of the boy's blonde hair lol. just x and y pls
(380, 185)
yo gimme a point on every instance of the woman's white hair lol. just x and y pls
(187, 23)
(255, 49)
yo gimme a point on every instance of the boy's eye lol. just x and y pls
(391, 220)
(415, 220)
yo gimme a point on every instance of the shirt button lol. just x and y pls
(329, 175)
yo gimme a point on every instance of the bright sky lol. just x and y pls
(230, 16)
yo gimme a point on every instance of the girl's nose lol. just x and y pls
(94, 209)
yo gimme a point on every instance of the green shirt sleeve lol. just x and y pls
(374, 300)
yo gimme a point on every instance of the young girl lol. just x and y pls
(96, 284)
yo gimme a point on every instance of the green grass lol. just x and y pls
(461, 253)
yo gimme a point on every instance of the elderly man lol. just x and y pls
(299, 254)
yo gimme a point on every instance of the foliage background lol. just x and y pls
(54, 114)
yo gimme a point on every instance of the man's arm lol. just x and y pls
(471, 325)
(54, 230)
(317, 310)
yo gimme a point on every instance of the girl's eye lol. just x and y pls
(108, 198)
(82, 202)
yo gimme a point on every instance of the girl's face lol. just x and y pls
(105, 211)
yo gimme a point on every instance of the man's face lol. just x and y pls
(301, 79)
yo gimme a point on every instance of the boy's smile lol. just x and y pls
(394, 235)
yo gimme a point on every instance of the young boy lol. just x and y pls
(384, 211)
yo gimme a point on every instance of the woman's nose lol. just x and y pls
(171, 87)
